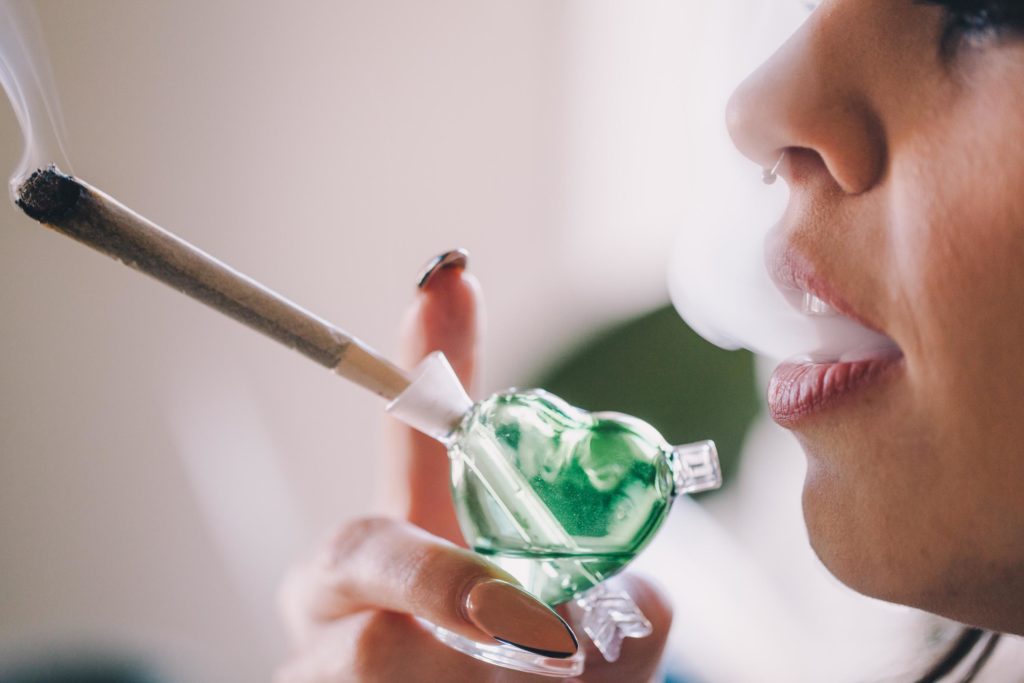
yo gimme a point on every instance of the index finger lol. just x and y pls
(446, 316)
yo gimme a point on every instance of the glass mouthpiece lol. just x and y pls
(696, 467)
(435, 401)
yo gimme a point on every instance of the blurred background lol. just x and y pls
(160, 466)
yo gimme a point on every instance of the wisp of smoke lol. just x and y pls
(26, 78)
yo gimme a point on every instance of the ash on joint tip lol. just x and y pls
(48, 194)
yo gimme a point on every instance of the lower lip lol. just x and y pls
(799, 390)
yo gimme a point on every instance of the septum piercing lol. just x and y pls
(769, 176)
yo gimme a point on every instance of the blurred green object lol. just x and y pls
(658, 369)
(82, 669)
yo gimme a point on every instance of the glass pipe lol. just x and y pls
(559, 497)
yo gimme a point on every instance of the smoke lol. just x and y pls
(718, 277)
(720, 284)
(26, 78)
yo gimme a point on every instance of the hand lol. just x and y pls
(350, 610)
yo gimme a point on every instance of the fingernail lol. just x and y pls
(509, 614)
(456, 258)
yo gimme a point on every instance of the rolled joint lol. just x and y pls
(366, 368)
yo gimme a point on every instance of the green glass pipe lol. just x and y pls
(562, 498)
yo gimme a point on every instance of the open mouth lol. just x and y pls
(854, 353)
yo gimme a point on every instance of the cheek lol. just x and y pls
(955, 276)
(957, 270)
(955, 243)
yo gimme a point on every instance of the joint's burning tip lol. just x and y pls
(48, 194)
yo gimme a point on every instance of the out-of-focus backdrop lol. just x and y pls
(160, 465)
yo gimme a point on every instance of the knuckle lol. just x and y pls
(442, 570)
(348, 538)
(427, 563)
(347, 545)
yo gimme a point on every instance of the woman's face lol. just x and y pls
(904, 141)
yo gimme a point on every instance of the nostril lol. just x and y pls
(803, 165)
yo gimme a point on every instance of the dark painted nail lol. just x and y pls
(456, 258)
(510, 615)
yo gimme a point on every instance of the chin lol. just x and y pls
(861, 493)
(860, 537)
(865, 534)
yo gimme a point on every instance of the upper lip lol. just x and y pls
(791, 269)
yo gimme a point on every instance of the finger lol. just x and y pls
(445, 317)
(640, 657)
(383, 564)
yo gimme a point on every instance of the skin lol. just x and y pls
(907, 175)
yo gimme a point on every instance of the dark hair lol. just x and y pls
(968, 641)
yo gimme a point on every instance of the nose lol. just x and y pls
(813, 95)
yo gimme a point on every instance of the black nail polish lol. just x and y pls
(456, 258)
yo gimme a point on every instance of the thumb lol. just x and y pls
(444, 317)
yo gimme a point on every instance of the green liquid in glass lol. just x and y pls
(558, 497)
